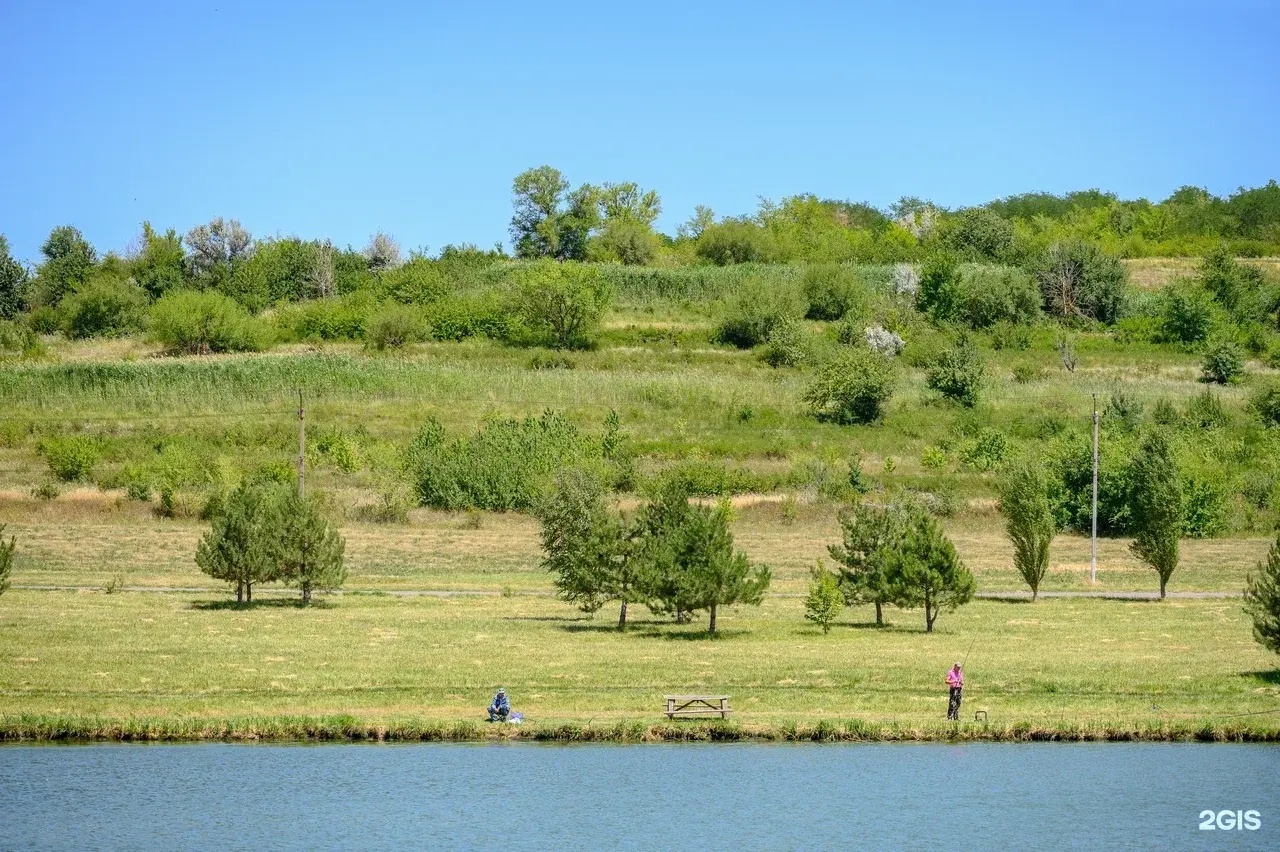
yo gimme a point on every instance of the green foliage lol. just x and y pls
(986, 451)
(339, 318)
(757, 307)
(1204, 506)
(418, 282)
(1265, 404)
(789, 344)
(939, 295)
(1078, 280)
(825, 599)
(1262, 599)
(852, 388)
(833, 291)
(1024, 501)
(689, 563)
(1205, 411)
(929, 571)
(1223, 363)
(68, 262)
(1233, 285)
(13, 282)
(305, 549)
(586, 545)
(870, 535)
(504, 466)
(19, 337)
(1070, 465)
(104, 306)
(160, 265)
(987, 295)
(471, 315)
(395, 327)
(631, 243)
(978, 233)
(6, 559)
(561, 305)
(958, 373)
(735, 241)
(239, 547)
(71, 458)
(933, 458)
(201, 322)
(1157, 505)
(1186, 314)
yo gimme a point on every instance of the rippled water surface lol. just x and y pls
(705, 797)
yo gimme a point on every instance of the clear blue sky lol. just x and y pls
(341, 118)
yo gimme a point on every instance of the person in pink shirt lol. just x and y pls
(955, 680)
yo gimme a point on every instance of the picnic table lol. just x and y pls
(697, 705)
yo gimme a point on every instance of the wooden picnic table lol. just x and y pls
(697, 705)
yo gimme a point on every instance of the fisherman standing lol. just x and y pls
(955, 680)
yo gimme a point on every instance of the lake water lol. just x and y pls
(697, 797)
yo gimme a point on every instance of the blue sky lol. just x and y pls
(328, 119)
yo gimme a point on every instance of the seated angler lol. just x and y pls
(500, 709)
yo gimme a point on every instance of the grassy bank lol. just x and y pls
(132, 665)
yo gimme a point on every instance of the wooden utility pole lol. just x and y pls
(302, 449)
(1093, 539)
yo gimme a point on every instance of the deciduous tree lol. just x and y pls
(1024, 500)
(1156, 504)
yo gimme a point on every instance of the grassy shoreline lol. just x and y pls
(39, 729)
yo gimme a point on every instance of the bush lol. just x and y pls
(1265, 404)
(502, 467)
(342, 318)
(1205, 411)
(882, 341)
(1078, 280)
(395, 327)
(560, 304)
(472, 315)
(202, 322)
(958, 374)
(1186, 314)
(71, 458)
(1204, 507)
(758, 306)
(1006, 335)
(103, 307)
(991, 294)
(1025, 373)
(933, 458)
(418, 282)
(987, 451)
(1223, 363)
(788, 346)
(852, 388)
(939, 294)
(832, 291)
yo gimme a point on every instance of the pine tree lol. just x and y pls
(870, 535)
(1262, 599)
(929, 571)
(307, 551)
(586, 546)
(239, 547)
(6, 559)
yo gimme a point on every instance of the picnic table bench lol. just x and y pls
(697, 705)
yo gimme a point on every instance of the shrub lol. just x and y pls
(201, 322)
(905, 280)
(418, 282)
(1024, 373)
(852, 388)
(502, 467)
(471, 315)
(1006, 335)
(395, 327)
(825, 598)
(933, 458)
(342, 318)
(987, 295)
(979, 233)
(1223, 363)
(987, 451)
(560, 304)
(788, 344)
(882, 341)
(1186, 314)
(832, 291)
(958, 374)
(71, 458)
(551, 361)
(1204, 507)
(939, 294)
(756, 308)
(1205, 411)
(1078, 280)
(103, 307)
(1265, 404)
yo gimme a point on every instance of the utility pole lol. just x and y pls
(302, 450)
(1093, 539)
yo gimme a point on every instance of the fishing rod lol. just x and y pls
(965, 659)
